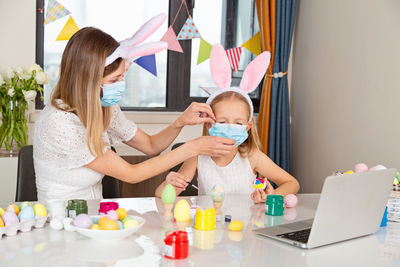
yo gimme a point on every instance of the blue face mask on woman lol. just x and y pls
(232, 131)
(112, 93)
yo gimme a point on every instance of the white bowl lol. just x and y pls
(110, 235)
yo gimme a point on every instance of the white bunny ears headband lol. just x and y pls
(129, 48)
(222, 75)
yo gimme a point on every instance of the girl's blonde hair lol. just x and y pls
(252, 143)
(79, 86)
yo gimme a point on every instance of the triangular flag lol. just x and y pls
(204, 51)
(253, 44)
(189, 30)
(170, 38)
(69, 29)
(55, 11)
(234, 57)
(148, 63)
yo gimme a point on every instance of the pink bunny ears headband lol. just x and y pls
(222, 74)
(129, 48)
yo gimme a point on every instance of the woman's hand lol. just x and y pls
(177, 180)
(214, 146)
(196, 113)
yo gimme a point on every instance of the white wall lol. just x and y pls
(345, 88)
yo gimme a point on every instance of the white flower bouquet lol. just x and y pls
(18, 87)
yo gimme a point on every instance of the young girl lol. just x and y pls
(71, 145)
(233, 111)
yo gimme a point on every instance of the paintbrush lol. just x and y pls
(193, 185)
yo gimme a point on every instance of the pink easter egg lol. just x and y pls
(360, 167)
(112, 215)
(290, 200)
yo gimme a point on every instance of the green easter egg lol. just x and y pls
(168, 194)
(126, 219)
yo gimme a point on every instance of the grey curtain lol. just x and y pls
(279, 131)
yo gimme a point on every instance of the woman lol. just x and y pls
(73, 134)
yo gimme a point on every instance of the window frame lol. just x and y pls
(178, 64)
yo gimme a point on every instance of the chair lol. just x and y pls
(190, 191)
(26, 179)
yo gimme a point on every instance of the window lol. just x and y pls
(229, 22)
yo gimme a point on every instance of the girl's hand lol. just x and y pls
(177, 180)
(269, 190)
(259, 196)
(213, 146)
(196, 113)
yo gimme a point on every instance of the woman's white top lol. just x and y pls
(236, 177)
(60, 153)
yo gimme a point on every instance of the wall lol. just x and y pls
(345, 91)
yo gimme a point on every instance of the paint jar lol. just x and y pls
(176, 245)
(107, 206)
(76, 207)
(205, 219)
(274, 205)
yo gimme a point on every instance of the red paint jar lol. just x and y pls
(107, 206)
(176, 245)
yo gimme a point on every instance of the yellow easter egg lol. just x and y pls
(121, 213)
(349, 172)
(109, 224)
(1, 223)
(102, 221)
(95, 227)
(235, 226)
(40, 210)
(16, 208)
(130, 224)
(1, 211)
(182, 211)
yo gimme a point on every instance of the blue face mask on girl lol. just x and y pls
(232, 131)
(112, 93)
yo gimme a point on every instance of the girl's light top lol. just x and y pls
(60, 153)
(236, 177)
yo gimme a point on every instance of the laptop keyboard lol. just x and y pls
(299, 236)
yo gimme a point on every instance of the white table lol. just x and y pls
(220, 247)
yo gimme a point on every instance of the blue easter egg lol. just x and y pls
(120, 225)
(27, 213)
(95, 220)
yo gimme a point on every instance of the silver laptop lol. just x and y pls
(350, 206)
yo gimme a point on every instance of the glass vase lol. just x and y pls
(13, 128)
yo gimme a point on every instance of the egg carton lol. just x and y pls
(25, 226)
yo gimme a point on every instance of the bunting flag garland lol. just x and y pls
(69, 29)
(204, 51)
(170, 38)
(234, 57)
(55, 11)
(148, 63)
(253, 44)
(189, 30)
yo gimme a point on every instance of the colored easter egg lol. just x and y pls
(24, 204)
(360, 167)
(378, 168)
(348, 172)
(168, 194)
(83, 221)
(9, 218)
(40, 210)
(130, 224)
(27, 213)
(95, 220)
(290, 200)
(112, 215)
(120, 225)
(235, 226)
(1, 223)
(182, 211)
(109, 224)
(126, 219)
(95, 227)
(14, 208)
(121, 213)
(1, 211)
(102, 220)
(218, 193)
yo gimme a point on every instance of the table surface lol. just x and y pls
(219, 247)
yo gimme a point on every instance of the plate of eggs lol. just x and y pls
(114, 226)
(22, 218)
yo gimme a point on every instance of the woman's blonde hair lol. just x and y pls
(79, 86)
(252, 143)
